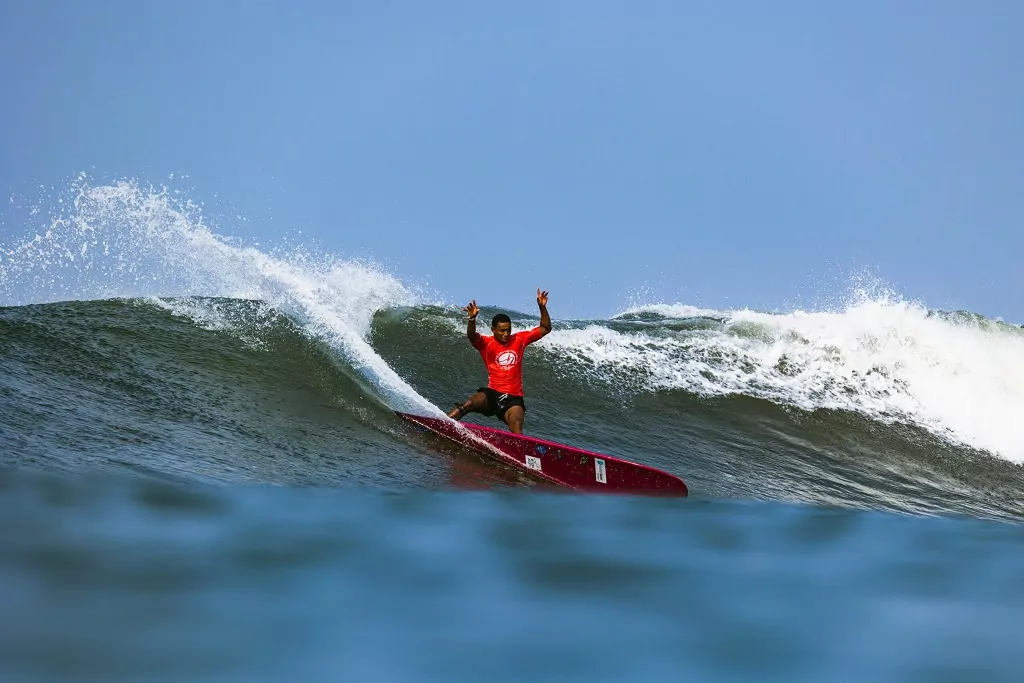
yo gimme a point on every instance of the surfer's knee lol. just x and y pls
(514, 418)
(476, 403)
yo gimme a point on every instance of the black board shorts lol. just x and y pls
(498, 404)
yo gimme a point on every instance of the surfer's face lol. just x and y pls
(502, 331)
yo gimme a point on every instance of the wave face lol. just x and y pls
(135, 338)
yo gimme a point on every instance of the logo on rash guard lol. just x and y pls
(507, 359)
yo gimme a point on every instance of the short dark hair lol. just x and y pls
(500, 318)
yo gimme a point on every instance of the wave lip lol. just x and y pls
(124, 241)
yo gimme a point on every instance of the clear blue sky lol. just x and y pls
(724, 154)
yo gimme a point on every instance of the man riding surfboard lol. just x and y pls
(502, 353)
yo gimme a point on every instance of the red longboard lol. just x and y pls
(554, 462)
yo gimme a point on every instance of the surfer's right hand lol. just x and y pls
(471, 310)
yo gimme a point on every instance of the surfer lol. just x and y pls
(503, 356)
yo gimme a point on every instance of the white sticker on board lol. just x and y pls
(599, 471)
(533, 462)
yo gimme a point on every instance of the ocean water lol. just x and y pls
(202, 478)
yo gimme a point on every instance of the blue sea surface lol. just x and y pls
(125, 579)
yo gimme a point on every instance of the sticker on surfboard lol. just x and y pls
(533, 462)
(599, 471)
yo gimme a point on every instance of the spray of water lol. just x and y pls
(125, 241)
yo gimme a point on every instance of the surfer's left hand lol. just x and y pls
(542, 298)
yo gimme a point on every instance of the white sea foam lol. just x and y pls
(960, 377)
(671, 311)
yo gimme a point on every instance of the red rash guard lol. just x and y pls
(505, 361)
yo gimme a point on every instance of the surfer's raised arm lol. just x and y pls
(472, 311)
(545, 319)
